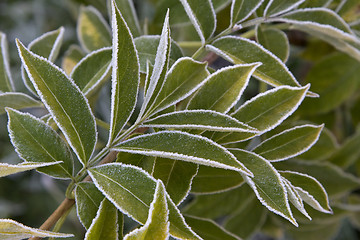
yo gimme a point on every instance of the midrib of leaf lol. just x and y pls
(237, 13)
(289, 142)
(171, 170)
(100, 72)
(66, 114)
(43, 148)
(123, 188)
(92, 200)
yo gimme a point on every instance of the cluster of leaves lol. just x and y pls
(186, 153)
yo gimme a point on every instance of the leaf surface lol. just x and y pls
(277, 7)
(6, 82)
(275, 41)
(182, 146)
(17, 100)
(92, 29)
(125, 75)
(157, 223)
(104, 225)
(34, 141)
(129, 14)
(88, 199)
(8, 169)
(59, 94)
(289, 143)
(132, 190)
(242, 9)
(72, 56)
(223, 89)
(12, 230)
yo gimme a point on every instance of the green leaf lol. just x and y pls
(334, 82)
(289, 143)
(184, 78)
(132, 190)
(128, 12)
(278, 7)
(243, 9)
(125, 75)
(92, 29)
(223, 89)
(266, 183)
(12, 230)
(147, 47)
(17, 100)
(6, 82)
(240, 50)
(8, 169)
(92, 71)
(209, 180)
(309, 189)
(72, 56)
(274, 40)
(182, 146)
(35, 141)
(59, 94)
(208, 229)
(202, 15)
(157, 223)
(88, 199)
(176, 176)
(147, 163)
(47, 46)
(104, 225)
(334, 179)
(198, 119)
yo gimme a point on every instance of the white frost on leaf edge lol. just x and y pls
(203, 127)
(320, 127)
(149, 177)
(247, 16)
(294, 5)
(195, 21)
(48, 107)
(307, 197)
(254, 65)
(25, 166)
(100, 18)
(5, 56)
(183, 157)
(98, 214)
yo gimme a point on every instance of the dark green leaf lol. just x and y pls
(17, 100)
(243, 9)
(277, 7)
(6, 83)
(128, 12)
(275, 41)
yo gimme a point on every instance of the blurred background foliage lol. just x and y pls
(30, 197)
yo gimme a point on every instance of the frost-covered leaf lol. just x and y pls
(157, 223)
(289, 143)
(8, 169)
(223, 89)
(104, 225)
(12, 230)
(6, 82)
(17, 100)
(198, 119)
(182, 146)
(91, 72)
(202, 16)
(48, 46)
(208, 229)
(71, 57)
(243, 9)
(128, 12)
(161, 64)
(274, 40)
(309, 189)
(88, 199)
(278, 7)
(125, 75)
(145, 162)
(241, 50)
(35, 141)
(132, 190)
(335, 78)
(176, 176)
(266, 183)
(184, 78)
(59, 94)
(92, 29)
(209, 180)
(264, 112)
(147, 47)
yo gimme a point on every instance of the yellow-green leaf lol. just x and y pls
(72, 56)
(17, 100)
(274, 40)
(8, 169)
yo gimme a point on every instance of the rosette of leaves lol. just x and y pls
(180, 130)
